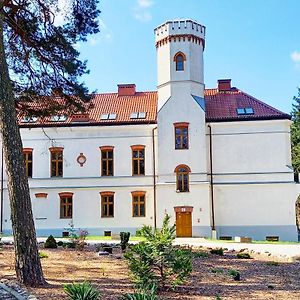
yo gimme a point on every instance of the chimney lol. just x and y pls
(126, 89)
(224, 85)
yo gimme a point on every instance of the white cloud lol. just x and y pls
(145, 3)
(141, 10)
(295, 56)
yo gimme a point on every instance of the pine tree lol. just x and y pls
(295, 133)
(37, 58)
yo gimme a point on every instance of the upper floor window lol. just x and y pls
(179, 59)
(27, 154)
(56, 161)
(138, 160)
(138, 204)
(107, 204)
(66, 205)
(107, 160)
(182, 178)
(181, 135)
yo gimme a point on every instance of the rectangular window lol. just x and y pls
(138, 204)
(181, 135)
(107, 205)
(56, 162)
(138, 160)
(66, 206)
(107, 162)
(27, 154)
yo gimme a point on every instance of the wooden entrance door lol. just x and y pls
(184, 224)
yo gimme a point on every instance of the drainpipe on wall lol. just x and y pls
(213, 226)
(1, 195)
(154, 177)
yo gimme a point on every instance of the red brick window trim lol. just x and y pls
(182, 178)
(181, 132)
(138, 204)
(41, 195)
(138, 159)
(107, 204)
(56, 161)
(179, 59)
(28, 159)
(66, 205)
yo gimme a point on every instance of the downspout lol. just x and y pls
(1, 195)
(154, 178)
(213, 226)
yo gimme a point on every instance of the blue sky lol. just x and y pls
(255, 43)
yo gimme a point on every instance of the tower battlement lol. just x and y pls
(179, 27)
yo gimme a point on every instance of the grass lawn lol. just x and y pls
(255, 242)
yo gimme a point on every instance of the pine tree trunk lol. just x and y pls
(27, 262)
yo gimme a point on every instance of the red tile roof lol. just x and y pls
(220, 106)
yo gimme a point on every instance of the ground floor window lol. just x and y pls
(138, 204)
(66, 205)
(107, 204)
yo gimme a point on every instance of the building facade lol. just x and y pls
(218, 161)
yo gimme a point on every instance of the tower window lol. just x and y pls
(181, 135)
(179, 59)
(182, 178)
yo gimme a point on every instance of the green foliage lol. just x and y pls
(218, 297)
(155, 262)
(140, 296)
(81, 291)
(200, 254)
(235, 274)
(218, 251)
(295, 133)
(273, 263)
(124, 240)
(243, 255)
(50, 242)
(217, 271)
(77, 237)
(60, 243)
(43, 254)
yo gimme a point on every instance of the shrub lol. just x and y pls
(218, 251)
(200, 254)
(217, 271)
(124, 240)
(81, 291)
(155, 262)
(50, 242)
(60, 243)
(235, 274)
(243, 255)
(273, 263)
(43, 254)
(139, 296)
(77, 237)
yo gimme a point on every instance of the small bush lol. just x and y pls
(139, 296)
(200, 254)
(60, 243)
(272, 263)
(218, 251)
(43, 254)
(217, 271)
(50, 242)
(124, 240)
(81, 291)
(243, 255)
(235, 274)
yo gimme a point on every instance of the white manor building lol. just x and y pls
(217, 160)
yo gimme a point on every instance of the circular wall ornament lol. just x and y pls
(81, 159)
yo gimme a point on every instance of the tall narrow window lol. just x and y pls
(182, 178)
(107, 160)
(179, 59)
(56, 161)
(27, 153)
(138, 160)
(107, 204)
(66, 205)
(181, 135)
(138, 204)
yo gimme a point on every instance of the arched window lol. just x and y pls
(182, 178)
(179, 59)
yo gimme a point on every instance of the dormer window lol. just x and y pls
(179, 59)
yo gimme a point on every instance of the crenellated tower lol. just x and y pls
(180, 45)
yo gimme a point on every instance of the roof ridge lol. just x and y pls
(263, 103)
